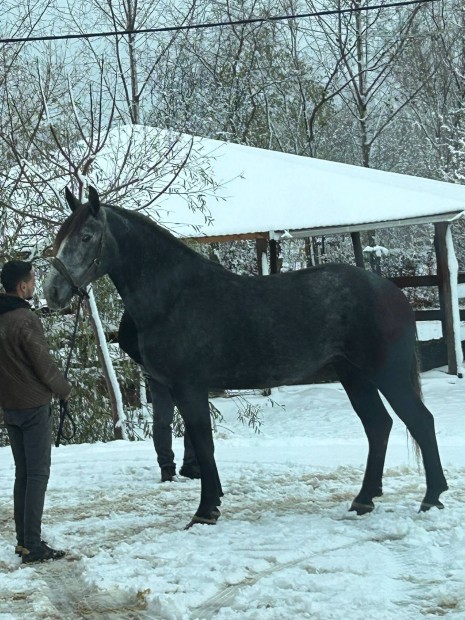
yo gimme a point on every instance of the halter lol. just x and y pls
(61, 267)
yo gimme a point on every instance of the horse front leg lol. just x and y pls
(192, 403)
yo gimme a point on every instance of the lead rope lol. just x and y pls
(64, 409)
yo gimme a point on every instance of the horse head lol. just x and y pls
(79, 248)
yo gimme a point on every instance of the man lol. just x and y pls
(163, 412)
(29, 377)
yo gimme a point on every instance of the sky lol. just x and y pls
(286, 545)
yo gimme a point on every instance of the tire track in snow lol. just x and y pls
(328, 497)
(424, 591)
(225, 597)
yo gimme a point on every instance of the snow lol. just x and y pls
(379, 250)
(265, 191)
(432, 330)
(454, 271)
(286, 545)
(103, 345)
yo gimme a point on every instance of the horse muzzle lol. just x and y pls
(60, 287)
(58, 291)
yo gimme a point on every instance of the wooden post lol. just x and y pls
(274, 251)
(358, 252)
(316, 252)
(446, 297)
(308, 252)
(261, 246)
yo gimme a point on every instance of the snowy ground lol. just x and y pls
(286, 545)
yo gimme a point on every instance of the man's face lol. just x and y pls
(26, 289)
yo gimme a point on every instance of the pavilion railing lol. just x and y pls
(425, 281)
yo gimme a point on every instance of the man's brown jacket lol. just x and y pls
(29, 375)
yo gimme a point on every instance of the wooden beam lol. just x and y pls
(415, 281)
(433, 315)
(224, 238)
(317, 231)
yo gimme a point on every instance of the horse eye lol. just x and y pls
(86, 238)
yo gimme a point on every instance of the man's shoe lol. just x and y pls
(190, 471)
(41, 554)
(19, 549)
(168, 474)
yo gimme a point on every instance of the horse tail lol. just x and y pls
(415, 370)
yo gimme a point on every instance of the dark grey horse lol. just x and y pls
(202, 327)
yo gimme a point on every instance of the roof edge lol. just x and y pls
(328, 230)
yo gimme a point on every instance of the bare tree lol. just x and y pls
(368, 47)
(133, 57)
(438, 110)
(248, 83)
(54, 138)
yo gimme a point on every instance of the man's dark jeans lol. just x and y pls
(163, 412)
(30, 433)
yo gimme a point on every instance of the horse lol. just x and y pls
(202, 327)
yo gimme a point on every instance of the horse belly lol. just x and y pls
(269, 360)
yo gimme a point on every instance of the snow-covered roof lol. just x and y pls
(255, 192)
(271, 191)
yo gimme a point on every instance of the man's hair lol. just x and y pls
(14, 272)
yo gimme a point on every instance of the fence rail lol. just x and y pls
(417, 281)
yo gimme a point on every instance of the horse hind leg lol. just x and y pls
(377, 423)
(406, 401)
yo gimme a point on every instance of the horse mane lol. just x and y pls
(77, 219)
(146, 221)
(138, 217)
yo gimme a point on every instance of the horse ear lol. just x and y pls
(94, 201)
(72, 201)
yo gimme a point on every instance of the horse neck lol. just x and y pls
(148, 267)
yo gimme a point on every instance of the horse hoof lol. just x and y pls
(209, 519)
(425, 506)
(361, 509)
